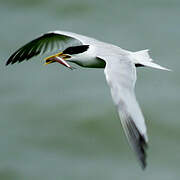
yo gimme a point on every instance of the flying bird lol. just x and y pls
(119, 69)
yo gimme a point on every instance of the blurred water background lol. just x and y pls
(62, 124)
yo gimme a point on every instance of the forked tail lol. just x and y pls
(143, 58)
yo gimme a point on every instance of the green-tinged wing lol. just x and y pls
(42, 44)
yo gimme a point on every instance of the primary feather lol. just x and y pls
(42, 44)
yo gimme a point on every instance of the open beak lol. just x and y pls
(60, 58)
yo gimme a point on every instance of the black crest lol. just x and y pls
(76, 49)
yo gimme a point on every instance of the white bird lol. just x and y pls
(120, 71)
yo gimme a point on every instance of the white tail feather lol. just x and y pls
(143, 58)
(154, 65)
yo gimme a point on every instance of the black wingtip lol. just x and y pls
(142, 152)
(138, 143)
(7, 62)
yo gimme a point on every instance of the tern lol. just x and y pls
(119, 69)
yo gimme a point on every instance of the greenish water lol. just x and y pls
(61, 124)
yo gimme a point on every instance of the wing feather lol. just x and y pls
(40, 45)
(121, 77)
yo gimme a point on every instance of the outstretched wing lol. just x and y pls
(51, 40)
(121, 77)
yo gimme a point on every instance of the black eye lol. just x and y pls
(76, 49)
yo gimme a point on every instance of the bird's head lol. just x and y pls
(69, 54)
